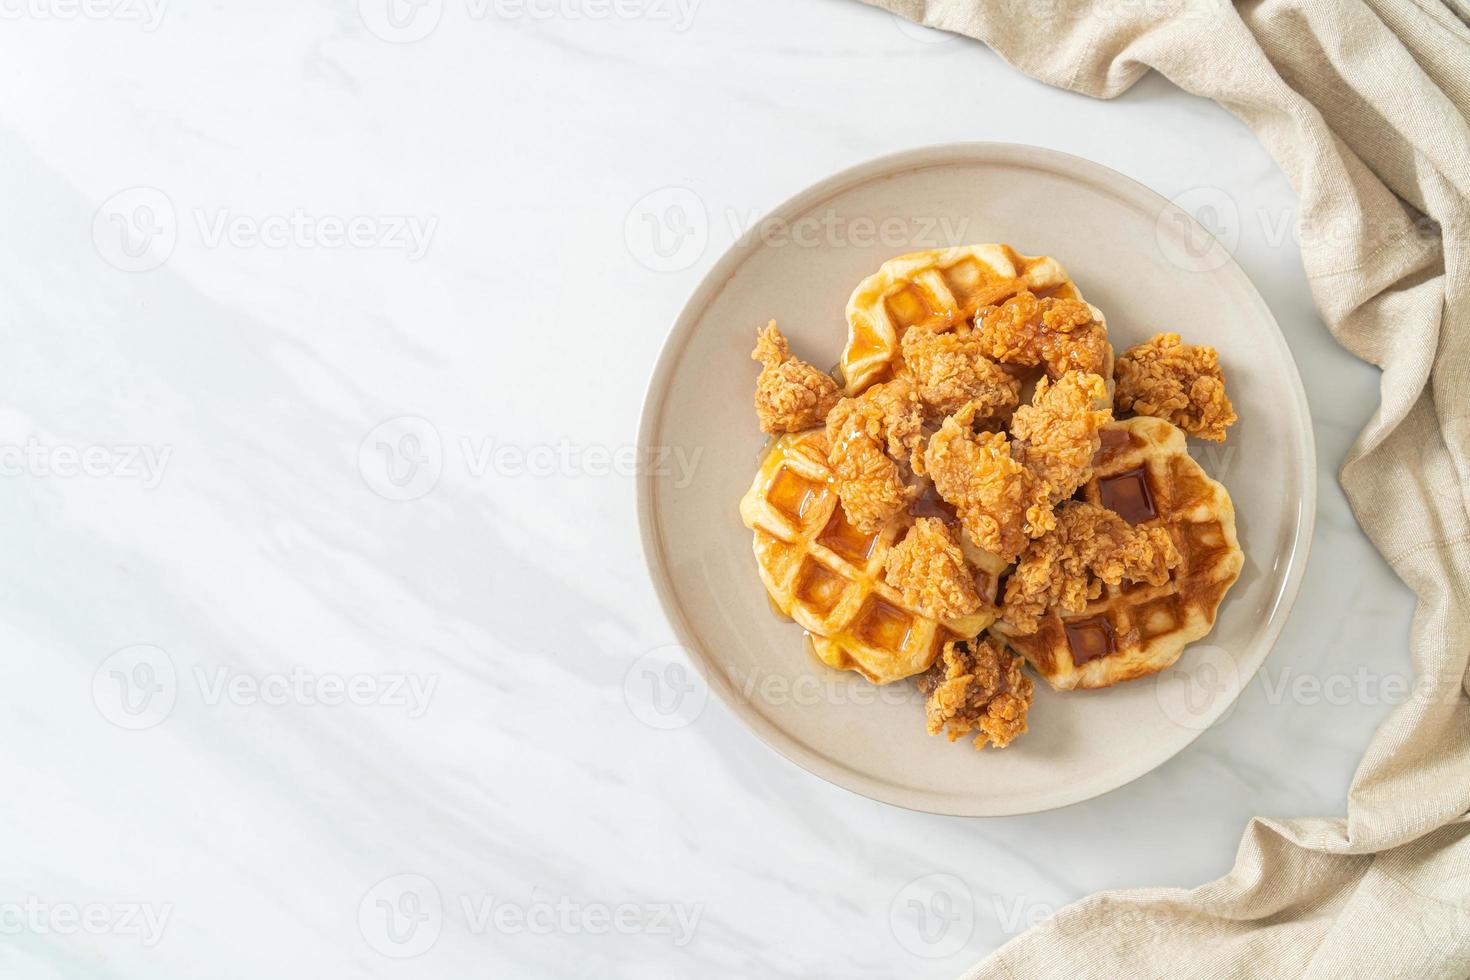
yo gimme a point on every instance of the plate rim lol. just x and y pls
(1298, 547)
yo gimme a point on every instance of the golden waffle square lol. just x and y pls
(946, 284)
(1143, 472)
(828, 576)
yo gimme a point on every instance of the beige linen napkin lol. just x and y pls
(1364, 104)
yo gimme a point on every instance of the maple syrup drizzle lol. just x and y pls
(1128, 495)
(1090, 639)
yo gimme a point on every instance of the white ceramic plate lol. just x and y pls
(1149, 266)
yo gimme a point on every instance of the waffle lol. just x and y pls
(828, 576)
(1142, 472)
(946, 284)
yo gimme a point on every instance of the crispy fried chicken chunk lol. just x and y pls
(867, 479)
(952, 370)
(1181, 383)
(977, 687)
(897, 408)
(1056, 436)
(999, 502)
(1066, 568)
(1058, 333)
(930, 570)
(790, 394)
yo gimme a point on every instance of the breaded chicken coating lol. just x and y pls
(1067, 567)
(928, 568)
(951, 371)
(999, 502)
(1180, 383)
(1056, 436)
(1060, 334)
(790, 394)
(977, 686)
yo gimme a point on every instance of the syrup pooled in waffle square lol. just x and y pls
(943, 289)
(829, 577)
(1143, 473)
(979, 392)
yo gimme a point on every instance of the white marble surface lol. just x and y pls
(248, 691)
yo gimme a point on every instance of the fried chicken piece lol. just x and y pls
(977, 686)
(899, 412)
(790, 394)
(1066, 568)
(1056, 436)
(1180, 383)
(952, 370)
(1059, 333)
(867, 480)
(999, 502)
(930, 570)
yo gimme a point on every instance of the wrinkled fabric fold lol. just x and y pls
(1364, 105)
